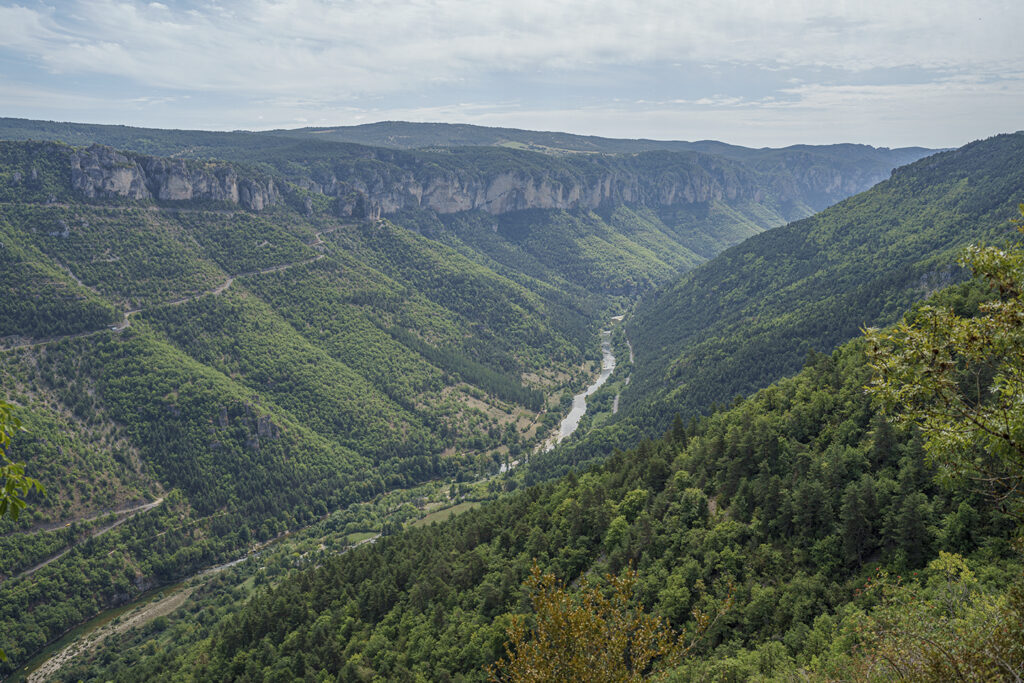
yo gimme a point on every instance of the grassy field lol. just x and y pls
(358, 536)
(442, 515)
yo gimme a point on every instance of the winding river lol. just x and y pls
(579, 401)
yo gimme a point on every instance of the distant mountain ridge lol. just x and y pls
(410, 135)
(859, 166)
(378, 181)
(343, 160)
(499, 181)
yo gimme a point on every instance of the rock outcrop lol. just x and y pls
(363, 189)
(100, 171)
(366, 182)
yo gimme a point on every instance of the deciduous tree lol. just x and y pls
(961, 379)
(588, 635)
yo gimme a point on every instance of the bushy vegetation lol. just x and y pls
(42, 298)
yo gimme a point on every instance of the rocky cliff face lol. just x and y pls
(371, 181)
(818, 183)
(103, 172)
(365, 189)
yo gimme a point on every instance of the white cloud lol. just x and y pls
(279, 62)
(947, 114)
(24, 29)
(372, 47)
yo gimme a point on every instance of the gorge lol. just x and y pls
(330, 342)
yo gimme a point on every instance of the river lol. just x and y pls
(579, 401)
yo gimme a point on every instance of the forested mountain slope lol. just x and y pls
(752, 314)
(181, 330)
(249, 346)
(788, 502)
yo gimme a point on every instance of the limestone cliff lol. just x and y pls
(367, 186)
(100, 171)
(365, 181)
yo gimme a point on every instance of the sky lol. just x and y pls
(760, 73)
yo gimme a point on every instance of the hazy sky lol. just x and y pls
(760, 73)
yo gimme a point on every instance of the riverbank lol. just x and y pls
(571, 422)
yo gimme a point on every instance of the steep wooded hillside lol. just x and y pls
(249, 346)
(752, 314)
(788, 503)
(250, 367)
(237, 348)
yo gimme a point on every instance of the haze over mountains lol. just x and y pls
(331, 332)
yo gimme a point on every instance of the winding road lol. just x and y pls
(126, 322)
(127, 514)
